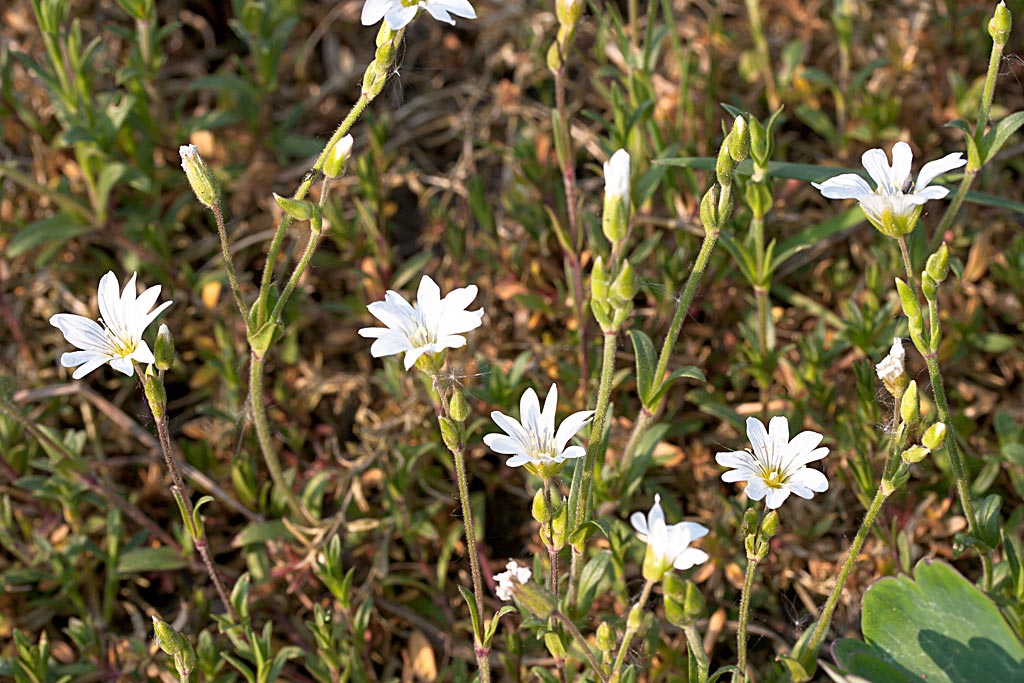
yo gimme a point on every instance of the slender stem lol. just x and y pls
(266, 441)
(300, 269)
(275, 245)
(989, 91)
(229, 264)
(825, 620)
(954, 207)
(907, 265)
(744, 617)
(697, 653)
(584, 645)
(596, 432)
(159, 413)
(632, 626)
(552, 551)
(647, 416)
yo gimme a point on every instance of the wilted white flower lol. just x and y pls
(398, 13)
(895, 204)
(514, 575)
(891, 369)
(200, 177)
(668, 545)
(335, 163)
(616, 175)
(778, 466)
(535, 442)
(431, 326)
(118, 340)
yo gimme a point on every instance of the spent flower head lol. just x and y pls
(533, 440)
(398, 13)
(892, 370)
(514, 575)
(429, 327)
(778, 466)
(894, 205)
(200, 177)
(118, 340)
(668, 545)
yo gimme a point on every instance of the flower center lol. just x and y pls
(773, 478)
(421, 337)
(410, 3)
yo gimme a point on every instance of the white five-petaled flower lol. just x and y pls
(778, 466)
(891, 369)
(895, 204)
(533, 440)
(668, 545)
(514, 575)
(431, 326)
(118, 340)
(616, 175)
(398, 13)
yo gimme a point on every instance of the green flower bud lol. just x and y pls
(914, 454)
(911, 308)
(770, 525)
(431, 363)
(599, 285)
(163, 350)
(451, 432)
(739, 140)
(569, 12)
(929, 286)
(725, 165)
(555, 61)
(636, 618)
(156, 394)
(298, 209)
(386, 34)
(559, 525)
(749, 521)
(457, 407)
(684, 602)
(605, 639)
(1000, 24)
(334, 166)
(175, 645)
(542, 512)
(938, 264)
(935, 437)
(910, 406)
(709, 216)
(200, 178)
(625, 287)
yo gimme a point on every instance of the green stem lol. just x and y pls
(266, 441)
(307, 254)
(989, 91)
(954, 208)
(229, 265)
(552, 551)
(825, 620)
(697, 653)
(584, 645)
(632, 626)
(744, 617)
(647, 416)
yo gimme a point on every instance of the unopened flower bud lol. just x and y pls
(163, 350)
(515, 584)
(935, 437)
(709, 216)
(914, 454)
(177, 646)
(457, 407)
(615, 218)
(451, 433)
(156, 393)
(298, 209)
(605, 639)
(1000, 24)
(334, 166)
(749, 521)
(770, 524)
(636, 618)
(928, 286)
(938, 264)
(910, 405)
(911, 308)
(725, 164)
(542, 511)
(684, 602)
(739, 140)
(200, 178)
(625, 287)
(569, 12)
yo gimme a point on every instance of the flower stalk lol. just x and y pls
(633, 623)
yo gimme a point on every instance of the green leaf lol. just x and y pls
(197, 521)
(140, 560)
(474, 613)
(646, 363)
(492, 626)
(936, 627)
(52, 230)
(1000, 133)
(260, 532)
(689, 372)
(989, 519)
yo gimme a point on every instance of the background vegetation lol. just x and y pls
(453, 166)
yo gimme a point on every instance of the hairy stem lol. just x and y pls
(584, 645)
(632, 626)
(229, 265)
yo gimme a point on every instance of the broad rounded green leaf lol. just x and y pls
(936, 627)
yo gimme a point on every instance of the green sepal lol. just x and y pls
(262, 339)
(474, 613)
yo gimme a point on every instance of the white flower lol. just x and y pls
(778, 466)
(508, 580)
(398, 13)
(667, 545)
(431, 326)
(891, 369)
(616, 175)
(535, 442)
(895, 203)
(119, 340)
